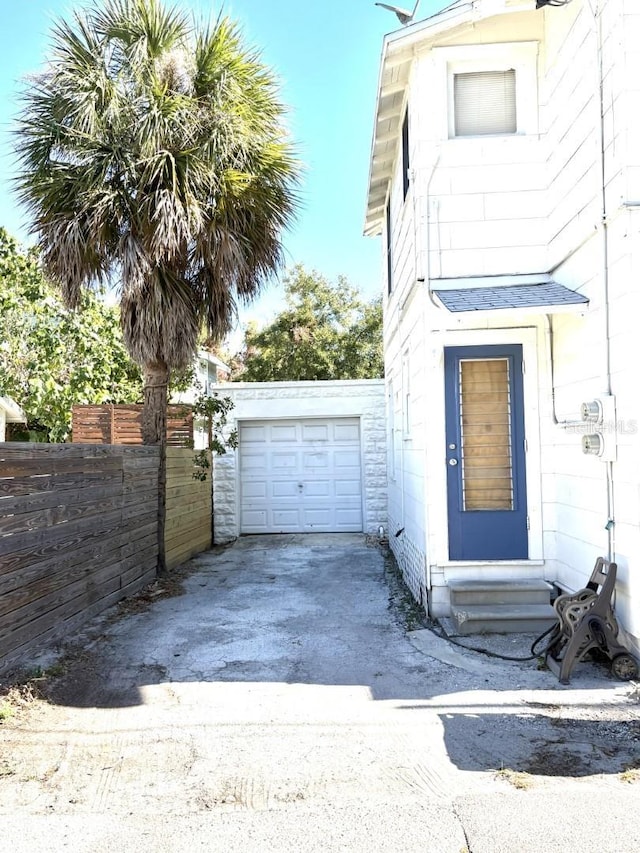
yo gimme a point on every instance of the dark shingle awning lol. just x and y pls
(547, 295)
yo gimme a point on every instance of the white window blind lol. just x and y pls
(484, 103)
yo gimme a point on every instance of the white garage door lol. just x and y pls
(300, 476)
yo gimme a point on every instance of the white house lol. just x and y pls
(505, 181)
(209, 373)
(10, 412)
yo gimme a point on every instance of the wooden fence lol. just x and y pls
(121, 424)
(78, 532)
(188, 508)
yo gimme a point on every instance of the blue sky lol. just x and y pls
(326, 54)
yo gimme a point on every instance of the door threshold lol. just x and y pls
(472, 564)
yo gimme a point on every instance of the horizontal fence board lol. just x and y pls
(56, 482)
(186, 538)
(180, 555)
(69, 534)
(199, 507)
(189, 521)
(188, 504)
(23, 504)
(13, 654)
(181, 490)
(59, 465)
(30, 521)
(27, 450)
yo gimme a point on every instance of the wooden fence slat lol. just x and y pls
(57, 515)
(34, 485)
(22, 504)
(58, 465)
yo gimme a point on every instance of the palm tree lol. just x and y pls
(154, 156)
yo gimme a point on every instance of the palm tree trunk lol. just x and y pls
(154, 431)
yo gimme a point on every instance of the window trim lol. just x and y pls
(466, 110)
(406, 395)
(391, 422)
(406, 157)
(519, 56)
(389, 239)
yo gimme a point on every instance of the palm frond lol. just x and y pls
(157, 152)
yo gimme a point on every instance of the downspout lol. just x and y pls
(427, 197)
(596, 11)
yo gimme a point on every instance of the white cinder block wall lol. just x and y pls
(252, 401)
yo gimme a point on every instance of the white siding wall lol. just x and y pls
(277, 400)
(483, 198)
(405, 371)
(575, 486)
(527, 205)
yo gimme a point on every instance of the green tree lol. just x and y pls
(326, 331)
(52, 357)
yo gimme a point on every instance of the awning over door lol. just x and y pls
(545, 297)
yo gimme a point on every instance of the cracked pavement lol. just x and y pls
(280, 704)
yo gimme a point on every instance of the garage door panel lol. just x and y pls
(286, 518)
(301, 476)
(317, 489)
(288, 432)
(347, 518)
(255, 518)
(284, 489)
(255, 489)
(253, 462)
(346, 432)
(315, 433)
(315, 518)
(347, 459)
(254, 433)
(348, 488)
(315, 460)
(284, 462)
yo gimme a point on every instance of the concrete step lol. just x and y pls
(503, 618)
(500, 592)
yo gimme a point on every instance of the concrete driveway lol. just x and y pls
(290, 700)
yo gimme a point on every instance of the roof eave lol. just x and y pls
(399, 48)
(13, 413)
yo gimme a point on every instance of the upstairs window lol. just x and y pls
(484, 103)
(389, 257)
(490, 90)
(405, 155)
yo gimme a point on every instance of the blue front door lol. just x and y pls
(485, 453)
